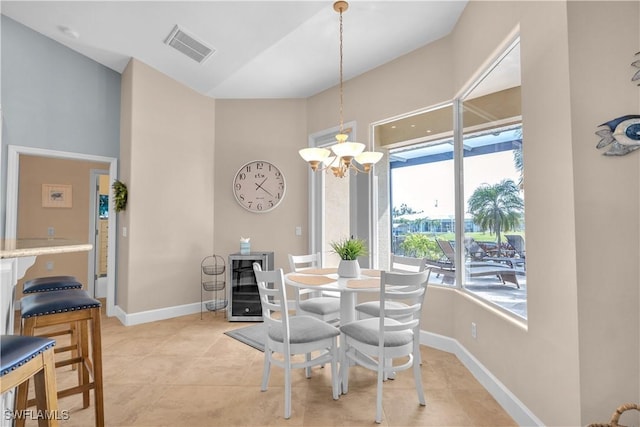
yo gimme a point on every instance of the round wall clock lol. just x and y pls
(259, 186)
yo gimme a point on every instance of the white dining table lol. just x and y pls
(327, 279)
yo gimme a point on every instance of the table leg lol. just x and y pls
(347, 307)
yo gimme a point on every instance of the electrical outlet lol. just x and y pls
(298, 230)
(474, 330)
(49, 265)
(51, 231)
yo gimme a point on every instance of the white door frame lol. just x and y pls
(13, 177)
(92, 261)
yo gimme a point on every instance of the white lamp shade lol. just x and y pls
(368, 157)
(314, 154)
(347, 149)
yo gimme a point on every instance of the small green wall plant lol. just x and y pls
(349, 249)
(119, 195)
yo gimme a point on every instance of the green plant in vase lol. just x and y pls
(349, 250)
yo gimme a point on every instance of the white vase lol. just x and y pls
(349, 268)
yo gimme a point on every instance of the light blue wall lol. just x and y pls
(54, 98)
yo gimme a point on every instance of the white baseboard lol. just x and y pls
(158, 314)
(509, 402)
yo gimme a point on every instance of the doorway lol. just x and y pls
(13, 160)
(99, 229)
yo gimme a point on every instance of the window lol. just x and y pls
(424, 200)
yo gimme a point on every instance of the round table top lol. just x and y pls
(328, 279)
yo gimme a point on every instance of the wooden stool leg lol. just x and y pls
(74, 342)
(22, 396)
(21, 403)
(83, 371)
(46, 393)
(96, 339)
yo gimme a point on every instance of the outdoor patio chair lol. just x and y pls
(473, 268)
(477, 253)
(516, 241)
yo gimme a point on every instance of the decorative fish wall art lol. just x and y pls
(621, 135)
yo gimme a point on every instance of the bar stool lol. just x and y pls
(24, 357)
(69, 306)
(50, 283)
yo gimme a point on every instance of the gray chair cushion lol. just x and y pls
(321, 305)
(366, 331)
(304, 329)
(372, 308)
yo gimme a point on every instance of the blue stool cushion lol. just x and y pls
(50, 283)
(16, 350)
(43, 303)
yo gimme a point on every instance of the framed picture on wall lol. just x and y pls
(57, 196)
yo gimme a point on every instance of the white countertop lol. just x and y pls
(16, 248)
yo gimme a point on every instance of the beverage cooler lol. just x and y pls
(243, 296)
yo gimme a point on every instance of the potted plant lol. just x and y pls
(349, 250)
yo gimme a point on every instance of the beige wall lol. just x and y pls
(167, 152)
(549, 362)
(605, 188)
(70, 223)
(571, 363)
(271, 130)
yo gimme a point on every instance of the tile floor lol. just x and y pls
(186, 372)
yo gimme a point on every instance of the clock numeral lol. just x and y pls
(259, 165)
(259, 206)
(238, 186)
(242, 176)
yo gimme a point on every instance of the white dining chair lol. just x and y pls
(293, 335)
(310, 302)
(401, 264)
(374, 343)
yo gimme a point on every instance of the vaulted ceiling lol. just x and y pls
(261, 49)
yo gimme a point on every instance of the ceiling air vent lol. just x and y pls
(188, 45)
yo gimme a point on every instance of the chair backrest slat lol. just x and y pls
(407, 264)
(273, 298)
(298, 263)
(409, 288)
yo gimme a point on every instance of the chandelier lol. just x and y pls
(343, 156)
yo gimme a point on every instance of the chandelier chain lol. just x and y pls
(347, 156)
(341, 90)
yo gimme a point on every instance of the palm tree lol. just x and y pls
(497, 207)
(519, 164)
